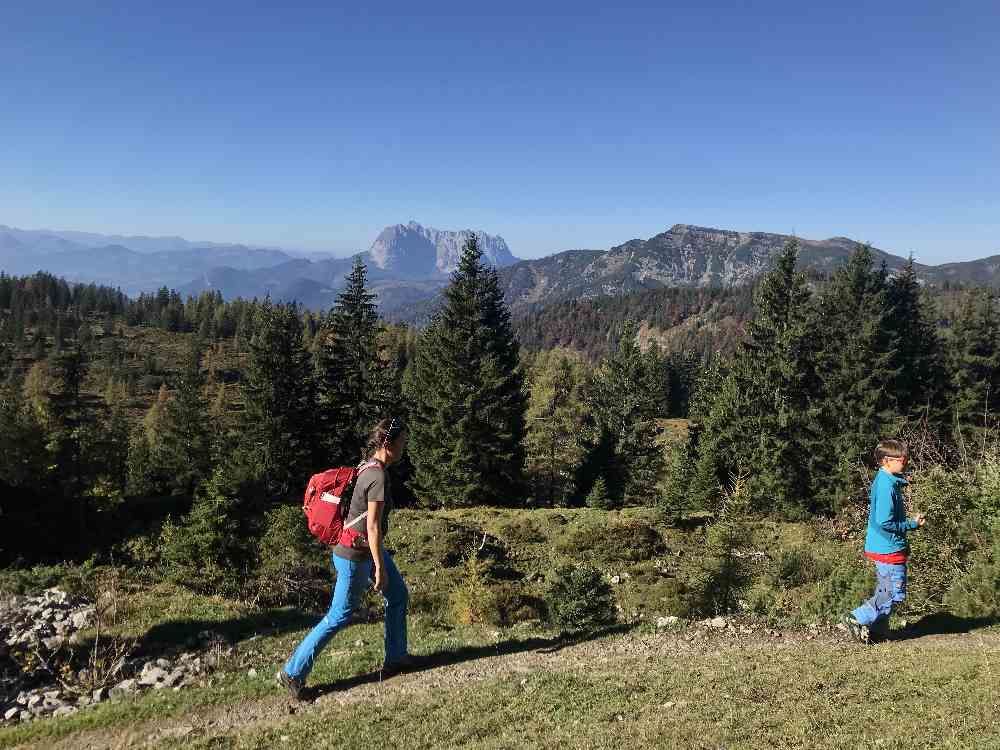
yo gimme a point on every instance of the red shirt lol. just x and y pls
(893, 558)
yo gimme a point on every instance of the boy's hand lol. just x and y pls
(921, 519)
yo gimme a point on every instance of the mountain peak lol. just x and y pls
(416, 251)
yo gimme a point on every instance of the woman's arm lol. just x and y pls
(374, 528)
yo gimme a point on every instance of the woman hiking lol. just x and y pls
(360, 557)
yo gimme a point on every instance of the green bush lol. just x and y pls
(578, 598)
(292, 568)
(798, 566)
(977, 592)
(848, 584)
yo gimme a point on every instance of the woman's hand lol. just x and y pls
(921, 519)
(380, 579)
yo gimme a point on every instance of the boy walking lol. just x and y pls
(885, 544)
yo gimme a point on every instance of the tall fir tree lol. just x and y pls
(278, 432)
(856, 365)
(781, 381)
(625, 401)
(355, 385)
(186, 437)
(921, 380)
(975, 364)
(466, 396)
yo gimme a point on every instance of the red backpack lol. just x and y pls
(323, 506)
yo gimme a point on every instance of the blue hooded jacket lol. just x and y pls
(887, 522)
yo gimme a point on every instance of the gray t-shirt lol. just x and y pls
(373, 485)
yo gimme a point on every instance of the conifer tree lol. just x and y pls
(921, 381)
(186, 435)
(466, 397)
(856, 369)
(556, 416)
(355, 385)
(975, 364)
(277, 429)
(780, 382)
(624, 410)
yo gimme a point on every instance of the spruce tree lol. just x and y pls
(856, 369)
(277, 428)
(921, 379)
(779, 384)
(186, 434)
(466, 395)
(354, 384)
(624, 408)
(975, 364)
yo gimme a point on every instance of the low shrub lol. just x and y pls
(579, 598)
(849, 583)
(629, 541)
(976, 593)
(292, 567)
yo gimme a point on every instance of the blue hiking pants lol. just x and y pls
(353, 578)
(890, 590)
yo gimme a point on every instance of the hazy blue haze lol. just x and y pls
(556, 125)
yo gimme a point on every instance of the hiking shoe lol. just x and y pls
(404, 664)
(858, 631)
(292, 685)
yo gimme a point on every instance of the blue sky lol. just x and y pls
(556, 125)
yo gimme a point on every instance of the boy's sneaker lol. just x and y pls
(858, 631)
(292, 685)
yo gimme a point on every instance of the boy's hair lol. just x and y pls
(891, 449)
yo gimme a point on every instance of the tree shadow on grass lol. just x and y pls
(176, 634)
(427, 662)
(942, 623)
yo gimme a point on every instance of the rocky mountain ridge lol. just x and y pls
(412, 249)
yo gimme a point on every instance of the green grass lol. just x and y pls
(900, 695)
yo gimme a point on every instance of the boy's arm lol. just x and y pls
(883, 512)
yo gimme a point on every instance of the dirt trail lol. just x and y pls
(246, 715)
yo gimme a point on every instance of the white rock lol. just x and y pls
(10, 713)
(82, 618)
(173, 678)
(152, 676)
(99, 695)
(123, 688)
(251, 672)
(65, 711)
(717, 622)
(163, 664)
(52, 643)
(666, 622)
(616, 579)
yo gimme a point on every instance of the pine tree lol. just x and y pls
(921, 381)
(855, 366)
(466, 396)
(277, 428)
(779, 383)
(185, 435)
(624, 409)
(975, 364)
(355, 385)
(556, 416)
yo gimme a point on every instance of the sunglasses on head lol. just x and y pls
(395, 427)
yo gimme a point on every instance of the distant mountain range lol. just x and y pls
(409, 264)
(692, 256)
